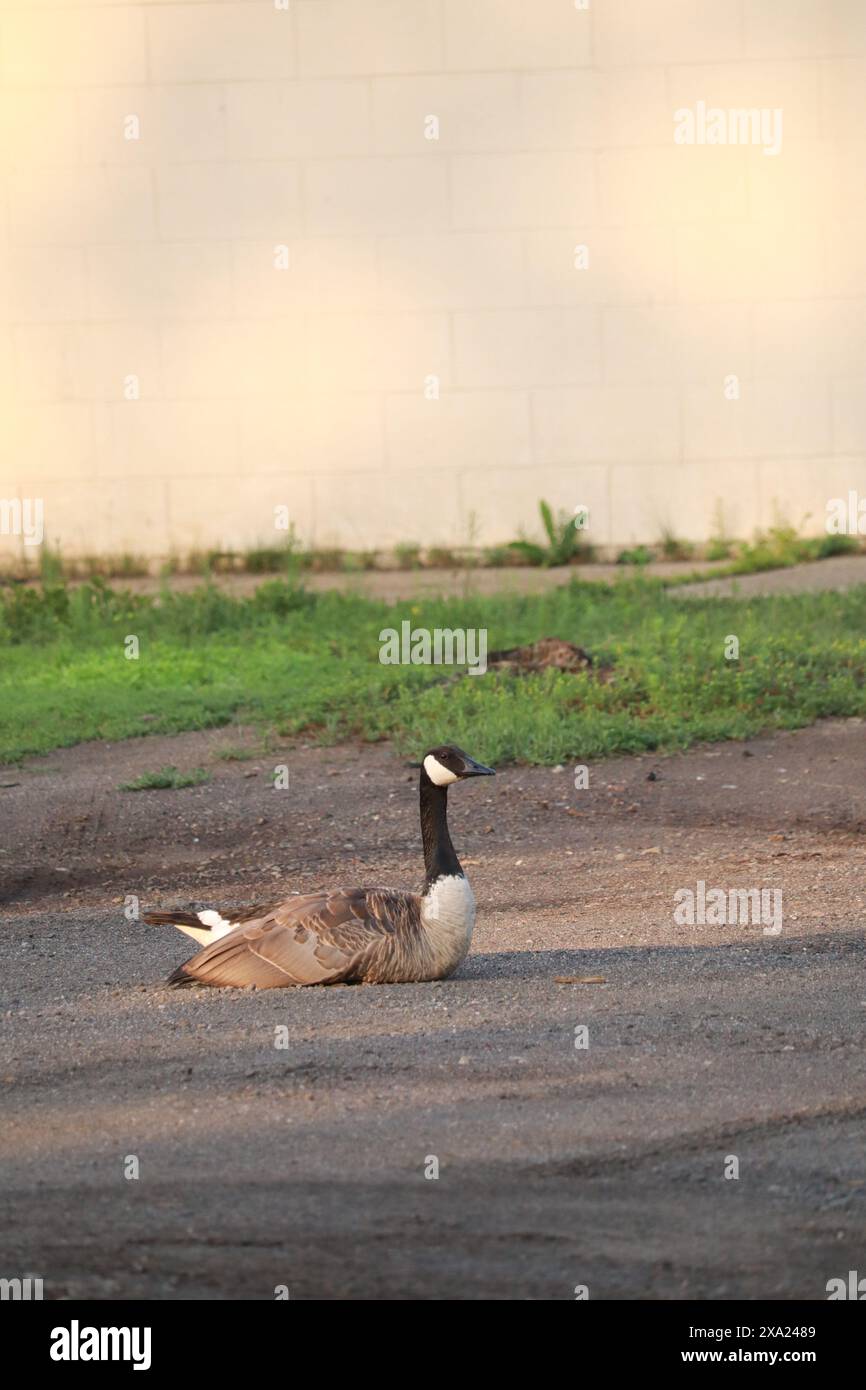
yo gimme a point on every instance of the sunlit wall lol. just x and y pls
(396, 269)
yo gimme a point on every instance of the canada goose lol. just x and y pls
(375, 935)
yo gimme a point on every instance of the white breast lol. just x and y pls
(448, 916)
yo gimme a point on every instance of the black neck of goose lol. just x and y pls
(439, 855)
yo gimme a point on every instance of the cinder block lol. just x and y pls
(52, 439)
(220, 42)
(846, 259)
(510, 34)
(496, 192)
(219, 201)
(170, 439)
(788, 28)
(7, 369)
(592, 109)
(744, 260)
(452, 270)
(606, 424)
(46, 288)
(796, 491)
(477, 112)
(846, 23)
(152, 125)
(131, 515)
(595, 109)
(624, 265)
(461, 429)
(76, 48)
(562, 110)
(335, 433)
(362, 196)
(527, 347)
(717, 428)
(108, 517)
(342, 37)
(670, 31)
(173, 280)
(668, 343)
(386, 352)
(770, 419)
(843, 97)
(325, 274)
(846, 198)
(635, 106)
(111, 355)
(680, 184)
(126, 515)
(362, 510)
(800, 185)
(504, 501)
(40, 128)
(810, 339)
(641, 344)
(79, 206)
(682, 500)
(849, 416)
(294, 120)
(86, 362)
(238, 358)
(240, 512)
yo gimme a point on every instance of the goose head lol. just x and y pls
(448, 764)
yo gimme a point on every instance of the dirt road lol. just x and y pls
(304, 1165)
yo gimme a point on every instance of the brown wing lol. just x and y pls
(312, 940)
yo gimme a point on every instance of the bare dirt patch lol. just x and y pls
(790, 809)
(305, 1166)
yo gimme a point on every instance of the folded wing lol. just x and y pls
(311, 940)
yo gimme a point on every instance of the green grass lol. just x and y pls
(565, 542)
(296, 662)
(781, 546)
(167, 777)
(237, 753)
(640, 555)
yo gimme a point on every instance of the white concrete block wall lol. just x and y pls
(320, 307)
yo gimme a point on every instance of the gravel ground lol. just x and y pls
(392, 585)
(304, 1165)
(840, 572)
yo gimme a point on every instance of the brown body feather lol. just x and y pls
(347, 935)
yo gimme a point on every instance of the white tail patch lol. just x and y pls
(213, 927)
(219, 926)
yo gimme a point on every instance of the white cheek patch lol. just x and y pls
(440, 776)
